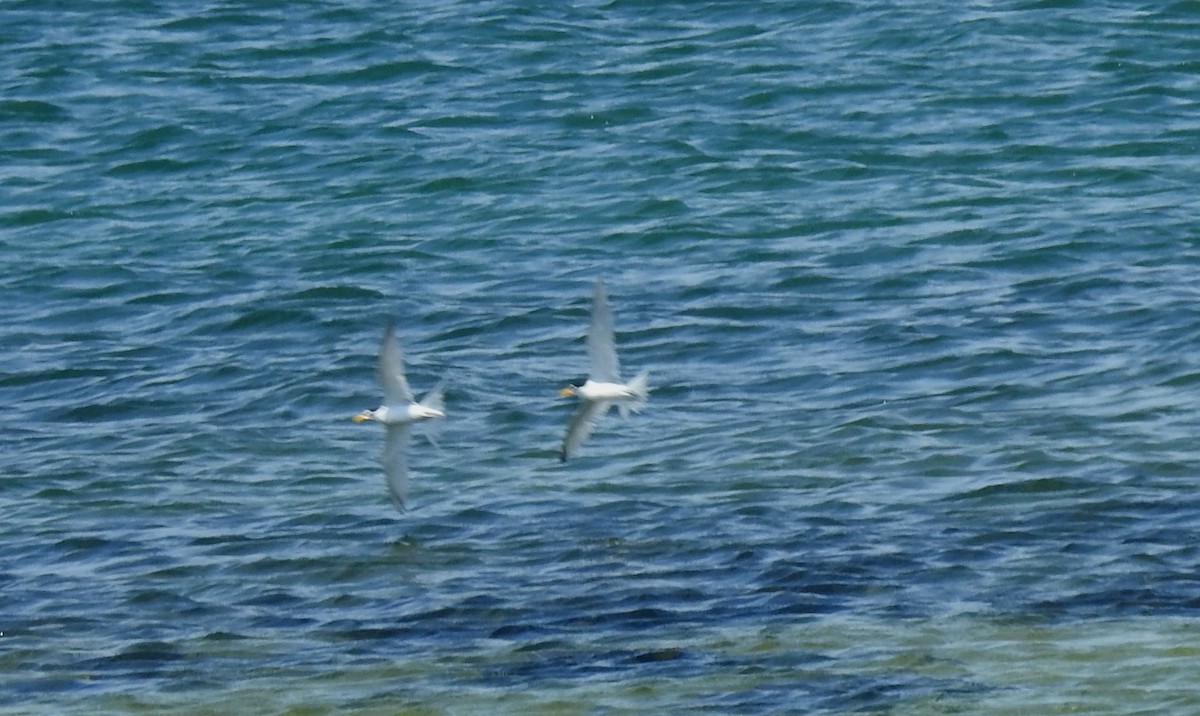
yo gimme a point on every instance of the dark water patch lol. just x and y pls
(160, 137)
(520, 631)
(141, 661)
(337, 293)
(1032, 488)
(554, 661)
(793, 587)
(164, 601)
(150, 652)
(637, 618)
(350, 631)
(236, 542)
(164, 298)
(394, 71)
(884, 693)
(224, 636)
(119, 410)
(1117, 602)
(35, 217)
(151, 167)
(543, 645)
(32, 110)
(270, 622)
(449, 184)
(82, 546)
(20, 690)
(1183, 381)
(264, 318)
(217, 20)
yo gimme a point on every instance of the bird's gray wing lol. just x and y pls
(395, 463)
(581, 426)
(391, 370)
(601, 344)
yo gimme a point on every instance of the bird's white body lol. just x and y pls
(591, 390)
(603, 388)
(398, 412)
(402, 415)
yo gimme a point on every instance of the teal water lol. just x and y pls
(918, 287)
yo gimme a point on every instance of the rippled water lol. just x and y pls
(917, 286)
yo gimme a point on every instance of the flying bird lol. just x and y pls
(398, 412)
(603, 388)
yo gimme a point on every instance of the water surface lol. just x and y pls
(917, 288)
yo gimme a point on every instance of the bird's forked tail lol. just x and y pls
(434, 398)
(640, 387)
(434, 401)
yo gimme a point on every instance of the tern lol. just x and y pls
(603, 388)
(398, 412)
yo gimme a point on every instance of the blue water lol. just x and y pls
(918, 286)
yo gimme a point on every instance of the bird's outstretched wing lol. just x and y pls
(395, 463)
(391, 370)
(601, 344)
(582, 424)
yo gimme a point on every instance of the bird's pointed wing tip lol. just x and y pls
(389, 329)
(390, 369)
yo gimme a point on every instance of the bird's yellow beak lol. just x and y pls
(568, 391)
(362, 417)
